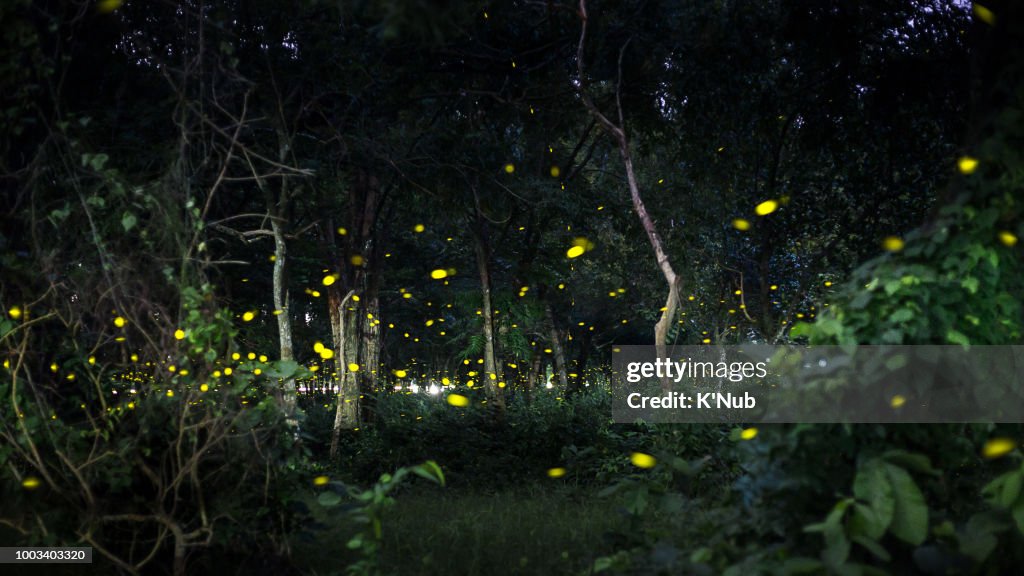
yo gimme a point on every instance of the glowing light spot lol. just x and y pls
(204, 387)
(236, 356)
(748, 433)
(248, 316)
(741, 224)
(407, 295)
(400, 373)
(14, 312)
(556, 171)
(767, 207)
(120, 322)
(439, 274)
(967, 164)
(108, 6)
(984, 14)
(179, 334)
(31, 483)
(353, 367)
(892, 243)
(897, 401)
(418, 228)
(998, 447)
(458, 400)
(318, 347)
(170, 393)
(641, 460)
(509, 168)
(321, 481)
(575, 252)
(357, 260)
(228, 371)
(329, 279)
(556, 472)
(342, 231)
(327, 353)
(773, 287)
(1007, 238)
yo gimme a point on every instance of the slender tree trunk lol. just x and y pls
(531, 378)
(490, 360)
(556, 347)
(284, 322)
(581, 361)
(618, 132)
(347, 409)
(370, 354)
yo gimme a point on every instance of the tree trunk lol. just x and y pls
(370, 359)
(347, 410)
(531, 378)
(581, 361)
(556, 347)
(284, 322)
(618, 132)
(490, 360)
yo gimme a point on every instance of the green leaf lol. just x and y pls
(873, 547)
(837, 546)
(867, 523)
(955, 337)
(910, 516)
(1003, 492)
(328, 499)
(95, 161)
(128, 221)
(913, 462)
(431, 471)
(282, 369)
(1018, 514)
(902, 315)
(800, 329)
(872, 486)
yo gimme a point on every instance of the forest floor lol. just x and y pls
(470, 531)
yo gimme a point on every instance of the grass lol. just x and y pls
(535, 530)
